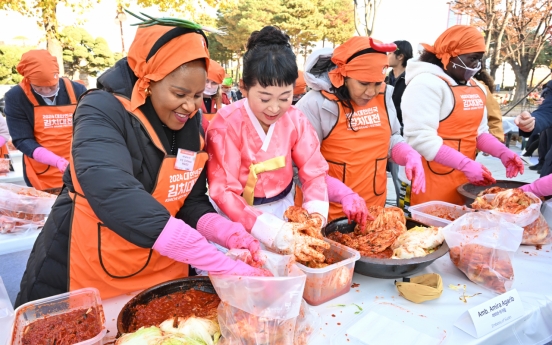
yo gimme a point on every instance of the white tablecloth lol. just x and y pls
(509, 125)
(533, 280)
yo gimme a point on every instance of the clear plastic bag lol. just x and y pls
(4, 165)
(6, 314)
(261, 310)
(23, 208)
(537, 232)
(482, 246)
(525, 217)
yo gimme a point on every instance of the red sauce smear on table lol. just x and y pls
(63, 329)
(179, 304)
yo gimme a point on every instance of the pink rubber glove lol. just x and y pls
(2, 141)
(541, 187)
(476, 173)
(182, 243)
(353, 205)
(491, 145)
(404, 155)
(46, 156)
(228, 234)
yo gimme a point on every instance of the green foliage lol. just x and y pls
(240, 19)
(545, 56)
(302, 21)
(9, 58)
(84, 54)
(339, 20)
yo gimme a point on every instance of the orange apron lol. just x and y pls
(459, 131)
(359, 158)
(53, 130)
(211, 114)
(100, 258)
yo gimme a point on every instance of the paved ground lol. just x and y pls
(493, 164)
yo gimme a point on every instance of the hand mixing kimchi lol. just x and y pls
(378, 236)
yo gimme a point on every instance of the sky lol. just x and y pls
(415, 21)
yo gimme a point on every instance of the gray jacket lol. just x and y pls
(323, 113)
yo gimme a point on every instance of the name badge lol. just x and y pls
(185, 160)
(491, 315)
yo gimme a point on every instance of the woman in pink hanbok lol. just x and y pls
(253, 145)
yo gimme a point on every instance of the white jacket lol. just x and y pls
(323, 113)
(427, 100)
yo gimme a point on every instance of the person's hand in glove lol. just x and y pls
(475, 172)
(404, 155)
(290, 240)
(228, 234)
(182, 243)
(491, 145)
(541, 187)
(353, 205)
(46, 156)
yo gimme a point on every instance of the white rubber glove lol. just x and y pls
(285, 238)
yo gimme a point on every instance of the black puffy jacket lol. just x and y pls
(117, 165)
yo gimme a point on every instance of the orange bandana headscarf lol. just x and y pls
(300, 85)
(369, 67)
(216, 72)
(171, 55)
(456, 40)
(39, 67)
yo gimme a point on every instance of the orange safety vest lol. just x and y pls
(209, 115)
(359, 158)
(100, 258)
(459, 131)
(53, 130)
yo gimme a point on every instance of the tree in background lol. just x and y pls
(192, 8)
(83, 54)
(339, 20)
(217, 51)
(301, 21)
(492, 17)
(525, 37)
(365, 16)
(545, 56)
(9, 58)
(240, 19)
(45, 12)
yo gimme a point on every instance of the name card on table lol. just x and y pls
(491, 315)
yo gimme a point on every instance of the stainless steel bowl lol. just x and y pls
(387, 268)
(125, 318)
(470, 191)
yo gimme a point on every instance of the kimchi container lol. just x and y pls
(327, 283)
(85, 299)
(432, 212)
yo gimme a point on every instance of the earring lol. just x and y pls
(148, 92)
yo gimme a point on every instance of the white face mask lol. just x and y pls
(210, 91)
(51, 94)
(469, 72)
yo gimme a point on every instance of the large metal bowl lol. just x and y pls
(387, 268)
(469, 191)
(124, 320)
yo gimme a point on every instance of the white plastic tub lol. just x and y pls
(327, 283)
(435, 213)
(56, 305)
